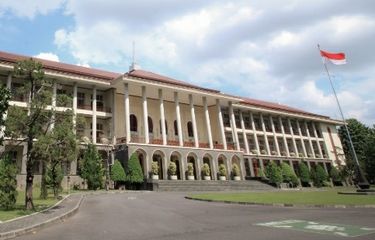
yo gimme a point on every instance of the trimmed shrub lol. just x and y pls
(335, 176)
(274, 174)
(206, 170)
(91, 168)
(304, 173)
(190, 169)
(172, 169)
(8, 183)
(235, 170)
(319, 176)
(288, 175)
(154, 168)
(134, 174)
(222, 170)
(117, 173)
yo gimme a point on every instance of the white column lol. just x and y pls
(244, 134)
(162, 117)
(9, 81)
(54, 93)
(145, 114)
(284, 137)
(75, 92)
(276, 142)
(221, 124)
(254, 133)
(301, 137)
(310, 142)
(9, 86)
(208, 122)
(113, 122)
(94, 115)
(192, 111)
(293, 139)
(178, 116)
(250, 161)
(317, 141)
(127, 112)
(234, 127)
(265, 135)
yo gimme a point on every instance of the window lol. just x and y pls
(166, 127)
(190, 129)
(99, 102)
(150, 125)
(133, 123)
(175, 128)
(80, 99)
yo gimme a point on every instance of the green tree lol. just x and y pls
(288, 174)
(29, 124)
(91, 168)
(118, 173)
(134, 174)
(360, 135)
(304, 173)
(8, 183)
(370, 156)
(57, 147)
(4, 104)
(318, 175)
(274, 174)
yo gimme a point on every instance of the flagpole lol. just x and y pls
(362, 181)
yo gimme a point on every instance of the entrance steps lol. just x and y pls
(205, 185)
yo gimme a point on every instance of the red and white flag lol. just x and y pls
(335, 58)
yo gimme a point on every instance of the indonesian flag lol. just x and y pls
(335, 58)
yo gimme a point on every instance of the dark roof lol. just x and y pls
(163, 79)
(63, 67)
(276, 106)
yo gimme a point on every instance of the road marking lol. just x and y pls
(323, 228)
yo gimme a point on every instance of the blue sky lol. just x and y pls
(260, 49)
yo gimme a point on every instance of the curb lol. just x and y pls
(38, 226)
(284, 204)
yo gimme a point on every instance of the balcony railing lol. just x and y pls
(98, 108)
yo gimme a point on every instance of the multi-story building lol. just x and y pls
(163, 119)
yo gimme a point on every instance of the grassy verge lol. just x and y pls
(40, 204)
(326, 197)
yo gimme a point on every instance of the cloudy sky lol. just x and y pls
(260, 49)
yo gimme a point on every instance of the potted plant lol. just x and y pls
(236, 172)
(254, 151)
(274, 153)
(172, 171)
(300, 154)
(222, 172)
(155, 170)
(264, 152)
(206, 172)
(292, 154)
(190, 171)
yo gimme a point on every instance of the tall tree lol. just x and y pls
(29, 124)
(4, 104)
(8, 183)
(361, 138)
(56, 148)
(370, 156)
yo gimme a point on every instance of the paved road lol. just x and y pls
(153, 215)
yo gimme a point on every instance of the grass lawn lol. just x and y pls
(19, 210)
(327, 196)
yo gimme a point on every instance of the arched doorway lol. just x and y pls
(176, 158)
(192, 158)
(142, 157)
(207, 158)
(158, 156)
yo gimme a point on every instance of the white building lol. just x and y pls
(200, 125)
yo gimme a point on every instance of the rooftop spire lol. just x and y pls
(134, 65)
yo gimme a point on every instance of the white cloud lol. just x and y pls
(29, 8)
(48, 56)
(261, 49)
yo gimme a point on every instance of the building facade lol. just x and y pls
(163, 119)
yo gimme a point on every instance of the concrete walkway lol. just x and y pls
(19, 226)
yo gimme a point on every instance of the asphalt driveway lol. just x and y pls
(153, 215)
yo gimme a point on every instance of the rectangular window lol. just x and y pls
(80, 100)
